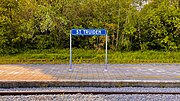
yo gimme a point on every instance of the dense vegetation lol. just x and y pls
(46, 24)
(57, 56)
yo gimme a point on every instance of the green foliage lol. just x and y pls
(131, 25)
(90, 56)
(160, 23)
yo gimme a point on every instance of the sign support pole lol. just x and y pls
(88, 32)
(106, 53)
(70, 52)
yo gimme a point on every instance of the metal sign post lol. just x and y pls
(88, 32)
(106, 58)
(70, 52)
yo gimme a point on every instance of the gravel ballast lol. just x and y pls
(94, 89)
(89, 97)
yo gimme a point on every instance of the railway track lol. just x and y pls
(2, 93)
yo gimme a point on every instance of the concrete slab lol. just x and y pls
(118, 75)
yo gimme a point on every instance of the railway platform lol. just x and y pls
(85, 75)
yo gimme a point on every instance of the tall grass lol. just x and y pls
(61, 56)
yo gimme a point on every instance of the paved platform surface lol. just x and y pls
(91, 73)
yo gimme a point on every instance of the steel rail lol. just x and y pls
(74, 92)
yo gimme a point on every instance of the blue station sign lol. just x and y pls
(88, 32)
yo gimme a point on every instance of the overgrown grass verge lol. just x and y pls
(61, 56)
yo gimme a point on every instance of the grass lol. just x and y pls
(61, 56)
